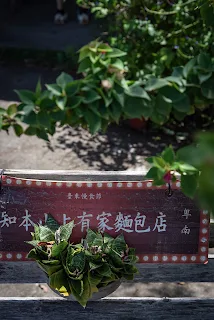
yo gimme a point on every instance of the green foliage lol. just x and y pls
(195, 166)
(158, 35)
(103, 95)
(84, 268)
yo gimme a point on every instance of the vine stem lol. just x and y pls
(167, 13)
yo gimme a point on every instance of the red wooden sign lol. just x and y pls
(162, 229)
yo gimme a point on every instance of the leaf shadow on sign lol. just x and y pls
(119, 148)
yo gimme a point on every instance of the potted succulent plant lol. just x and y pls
(88, 270)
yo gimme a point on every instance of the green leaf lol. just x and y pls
(30, 131)
(118, 64)
(116, 111)
(43, 119)
(182, 105)
(66, 231)
(137, 108)
(118, 94)
(204, 77)
(159, 162)
(91, 236)
(75, 260)
(119, 244)
(31, 119)
(155, 83)
(12, 109)
(61, 103)
(49, 269)
(33, 254)
(3, 111)
(59, 282)
(51, 223)
(107, 99)
(104, 48)
(36, 232)
(152, 173)
(42, 134)
(26, 96)
(173, 79)
(51, 262)
(94, 278)
(1, 122)
(191, 154)
(83, 54)
(93, 120)
(188, 67)
(116, 53)
(38, 90)
(171, 94)
(55, 89)
(72, 88)
(162, 106)
(46, 234)
(185, 167)
(98, 241)
(179, 115)
(137, 91)
(94, 266)
(27, 109)
(130, 269)
(168, 155)
(105, 270)
(74, 102)
(207, 13)
(91, 96)
(86, 292)
(18, 130)
(57, 249)
(189, 185)
(207, 88)
(178, 72)
(33, 243)
(64, 79)
(204, 61)
(159, 118)
(78, 287)
(84, 65)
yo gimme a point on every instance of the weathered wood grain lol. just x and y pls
(114, 309)
(29, 272)
(86, 175)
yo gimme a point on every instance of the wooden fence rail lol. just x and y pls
(114, 309)
(29, 272)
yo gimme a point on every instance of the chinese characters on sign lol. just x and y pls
(84, 196)
(123, 222)
(186, 214)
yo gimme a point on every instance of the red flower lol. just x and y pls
(167, 177)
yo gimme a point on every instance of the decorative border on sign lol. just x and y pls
(147, 184)
(200, 257)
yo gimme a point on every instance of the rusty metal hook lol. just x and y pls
(169, 191)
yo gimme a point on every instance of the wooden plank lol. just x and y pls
(29, 272)
(114, 309)
(86, 175)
